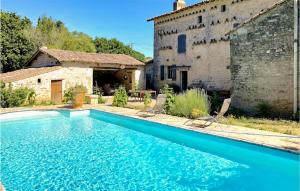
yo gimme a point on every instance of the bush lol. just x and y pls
(264, 109)
(147, 99)
(120, 97)
(191, 104)
(98, 91)
(16, 97)
(170, 97)
(69, 95)
(216, 102)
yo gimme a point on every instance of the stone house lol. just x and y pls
(265, 60)
(191, 48)
(53, 71)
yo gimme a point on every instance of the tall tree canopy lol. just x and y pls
(16, 48)
(114, 46)
(19, 40)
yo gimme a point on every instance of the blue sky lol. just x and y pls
(121, 19)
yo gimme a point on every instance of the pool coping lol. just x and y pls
(205, 132)
(185, 127)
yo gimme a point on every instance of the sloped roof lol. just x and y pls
(183, 9)
(26, 73)
(74, 56)
(258, 15)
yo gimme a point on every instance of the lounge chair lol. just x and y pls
(210, 119)
(158, 107)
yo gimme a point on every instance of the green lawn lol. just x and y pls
(280, 126)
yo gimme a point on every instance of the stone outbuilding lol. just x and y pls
(265, 60)
(53, 71)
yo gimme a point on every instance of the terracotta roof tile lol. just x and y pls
(73, 56)
(26, 73)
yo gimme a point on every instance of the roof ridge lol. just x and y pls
(183, 9)
(75, 51)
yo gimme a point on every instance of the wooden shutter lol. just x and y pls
(181, 43)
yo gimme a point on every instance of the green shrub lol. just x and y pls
(120, 97)
(170, 97)
(264, 109)
(98, 91)
(191, 104)
(147, 99)
(16, 97)
(69, 95)
(216, 102)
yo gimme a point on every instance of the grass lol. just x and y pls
(279, 126)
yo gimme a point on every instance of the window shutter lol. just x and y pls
(181, 43)
(162, 72)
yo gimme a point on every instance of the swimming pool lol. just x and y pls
(94, 150)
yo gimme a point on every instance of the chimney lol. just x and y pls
(178, 4)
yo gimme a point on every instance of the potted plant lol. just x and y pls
(75, 95)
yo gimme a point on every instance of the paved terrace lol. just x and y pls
(266, 138)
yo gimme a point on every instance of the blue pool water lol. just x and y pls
(102, 151)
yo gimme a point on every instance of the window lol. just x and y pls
(223, 8)
(162, 72)
(236, 25)
(181, 43)
(200, 19)
(39, 80)
(172, 72)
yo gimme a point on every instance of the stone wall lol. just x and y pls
(43, 60)
(209, 61)
(70, 76)
(262, 61)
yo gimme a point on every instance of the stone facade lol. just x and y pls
(74, 72)
(207, 56)
(262, 61)
(70, 76)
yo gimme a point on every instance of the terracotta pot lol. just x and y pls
(78, 100)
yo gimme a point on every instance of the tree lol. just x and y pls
(78, 41)
(114, 46)
(16, 48)
(19, 40)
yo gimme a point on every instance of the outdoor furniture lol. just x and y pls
(158, 107)
(139, 94)
(210, 119)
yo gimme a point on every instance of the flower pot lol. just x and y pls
(78, 100)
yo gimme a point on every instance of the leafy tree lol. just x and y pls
(48, 32)
(19, 40)
(114, 46)
(78, 41)
(16, 48)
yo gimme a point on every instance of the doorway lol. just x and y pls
(56, 91)
(149, 84)
(184, 80)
